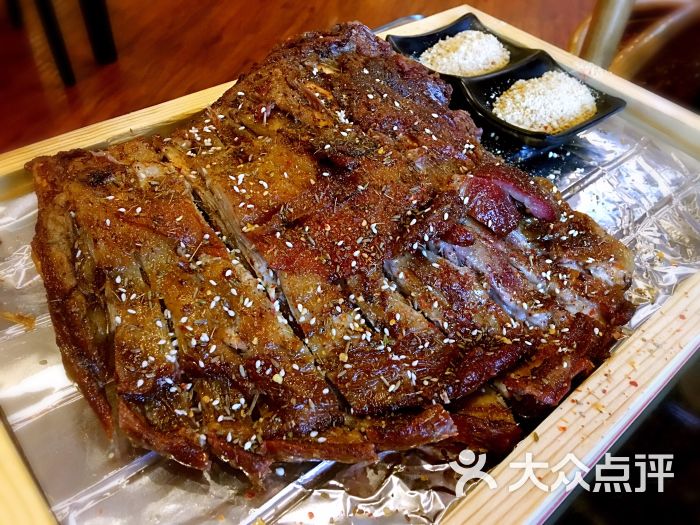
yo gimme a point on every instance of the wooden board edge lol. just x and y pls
(589, 421)
(14, 180)
(21, 501)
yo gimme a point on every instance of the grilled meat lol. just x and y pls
(324, 264)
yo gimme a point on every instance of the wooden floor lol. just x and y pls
(170, 48)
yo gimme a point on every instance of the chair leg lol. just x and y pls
(14, 13)
(47, 14)
(99, 30)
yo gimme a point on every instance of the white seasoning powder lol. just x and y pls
(550, 103)
(466, 54)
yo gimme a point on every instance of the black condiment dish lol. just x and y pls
(481, 92)
(413, 46)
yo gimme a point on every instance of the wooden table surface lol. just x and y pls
(170, 48)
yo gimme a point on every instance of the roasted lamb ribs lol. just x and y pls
(324, 264)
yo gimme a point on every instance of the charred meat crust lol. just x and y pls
(79, 319)
(324, 264)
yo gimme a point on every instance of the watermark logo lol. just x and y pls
(613, 474)
(466, 458)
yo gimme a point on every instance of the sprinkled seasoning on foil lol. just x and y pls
(640, 189)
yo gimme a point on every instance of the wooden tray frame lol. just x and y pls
(586, 424)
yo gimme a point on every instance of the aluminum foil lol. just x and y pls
(643, 190)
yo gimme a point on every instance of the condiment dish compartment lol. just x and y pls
(414, 45)
(481, 93)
